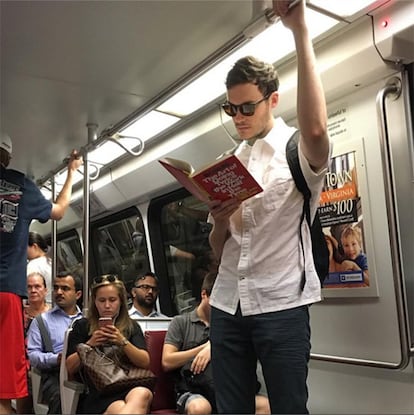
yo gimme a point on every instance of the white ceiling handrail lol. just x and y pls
(116, 139)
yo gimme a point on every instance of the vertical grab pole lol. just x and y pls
(92, 135)
(54, 237)
(393, 88)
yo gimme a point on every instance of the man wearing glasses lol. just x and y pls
(267, 279)
(67, 290)
(145, 293)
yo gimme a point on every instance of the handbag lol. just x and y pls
(112, 371)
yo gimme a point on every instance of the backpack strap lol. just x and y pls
(292, 157)
(47, 342)
(319, 248)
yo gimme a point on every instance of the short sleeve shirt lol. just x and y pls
(187, 331)
(21, 201)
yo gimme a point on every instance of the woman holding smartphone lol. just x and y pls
(108, 324)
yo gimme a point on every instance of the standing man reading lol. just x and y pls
(21, 201)
(267, 279)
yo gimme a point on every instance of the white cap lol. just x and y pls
(6, 143)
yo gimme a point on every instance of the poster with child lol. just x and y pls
(341, 217)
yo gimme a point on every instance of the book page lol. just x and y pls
(179, 164)
(185, 180)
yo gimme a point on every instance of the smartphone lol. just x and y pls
(105, 321)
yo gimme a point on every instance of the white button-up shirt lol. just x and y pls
(262, 261)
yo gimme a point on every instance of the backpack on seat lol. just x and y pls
(319, 247)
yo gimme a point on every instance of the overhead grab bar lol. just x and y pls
(116, 137)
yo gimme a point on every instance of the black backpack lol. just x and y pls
(319, 247)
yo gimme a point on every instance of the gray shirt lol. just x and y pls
(187, 331)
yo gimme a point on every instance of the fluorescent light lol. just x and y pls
(270, 46)
(107, 152)
(343, 8)
(149, 125)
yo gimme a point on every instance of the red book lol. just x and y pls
(226, 177)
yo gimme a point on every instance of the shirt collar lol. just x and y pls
(134, 312)
(58, 310)
(276, 138)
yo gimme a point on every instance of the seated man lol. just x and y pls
(187, 340)
(145, 294)
(67, 289)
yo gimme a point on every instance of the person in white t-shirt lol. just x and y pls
(39, 260)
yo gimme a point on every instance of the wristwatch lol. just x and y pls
(124, 342)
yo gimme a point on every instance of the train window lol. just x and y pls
(185, 231)
(120, 247)
(69, 254)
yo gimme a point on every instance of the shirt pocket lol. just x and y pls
(275, 195)
(276, 187)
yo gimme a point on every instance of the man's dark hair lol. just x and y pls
(249, 70)
(78, 280)
(147, 274)
(208, 282)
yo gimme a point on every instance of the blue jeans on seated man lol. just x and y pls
(281, 342)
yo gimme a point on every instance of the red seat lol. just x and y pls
(164, 395)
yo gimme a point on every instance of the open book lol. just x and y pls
(226, 177)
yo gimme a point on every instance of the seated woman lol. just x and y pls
(109, 299)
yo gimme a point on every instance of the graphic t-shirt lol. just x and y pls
(20, 202)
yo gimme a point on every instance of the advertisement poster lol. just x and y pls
(342, 220)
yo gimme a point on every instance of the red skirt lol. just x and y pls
(13, 367)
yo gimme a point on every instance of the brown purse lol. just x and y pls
(111, 371)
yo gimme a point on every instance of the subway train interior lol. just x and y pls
(130, 82)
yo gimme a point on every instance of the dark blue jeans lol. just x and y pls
(280, 340)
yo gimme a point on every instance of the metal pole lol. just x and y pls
(92, 135)
(54, 238)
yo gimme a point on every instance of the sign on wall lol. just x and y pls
(344, 216)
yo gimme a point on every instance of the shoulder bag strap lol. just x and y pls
(47, 342)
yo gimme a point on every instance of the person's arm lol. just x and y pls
(172, 358)
(73, 365)
(134, 347)
(139, 357)
(78, 334)
(38, 358)
(220, 232)
(62, 201)
(311, 105)
(180, 253)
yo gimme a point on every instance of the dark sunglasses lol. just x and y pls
(247, 108)
(105, 278)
